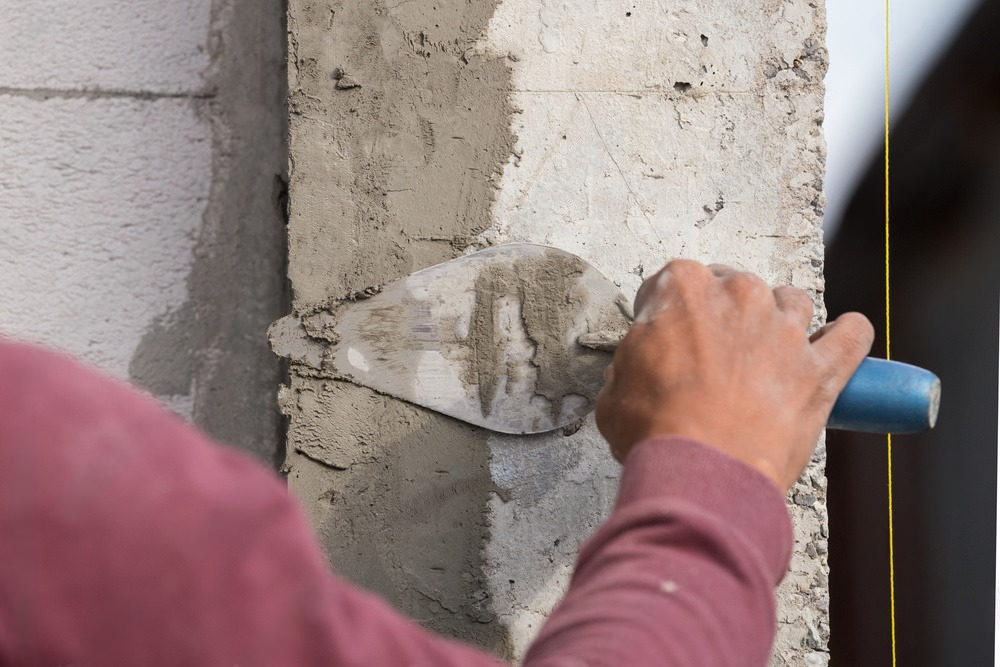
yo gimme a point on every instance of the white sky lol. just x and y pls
(855, 85)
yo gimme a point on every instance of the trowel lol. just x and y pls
(516, 338)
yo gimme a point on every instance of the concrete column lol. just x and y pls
(626, 133)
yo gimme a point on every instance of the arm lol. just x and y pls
(683, 572)
(129, 538)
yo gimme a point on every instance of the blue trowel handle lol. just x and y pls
(887, 397)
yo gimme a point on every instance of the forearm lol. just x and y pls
(116, 514)
(131, 538)
(683, 572)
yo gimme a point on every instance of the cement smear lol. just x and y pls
(487, 356)
(390, 172)
(401, 168)
(551, 300)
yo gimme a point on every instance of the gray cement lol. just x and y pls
(423, 130)
(213, 347)
(398, 138)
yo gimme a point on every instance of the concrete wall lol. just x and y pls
(141, 150)
(625, 133)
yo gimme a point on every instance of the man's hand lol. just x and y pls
(717, 356)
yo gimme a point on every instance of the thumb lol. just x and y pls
(841, 346)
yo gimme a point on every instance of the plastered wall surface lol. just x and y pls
(625, 134)
(139, 150)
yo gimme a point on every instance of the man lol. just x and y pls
(126, 538)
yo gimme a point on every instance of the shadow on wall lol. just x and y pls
(212, 352)
(945, 285)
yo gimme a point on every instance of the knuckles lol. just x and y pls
(746, 286)
(678, 276)
(685, 269)
(793, 297)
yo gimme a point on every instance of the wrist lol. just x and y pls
(734, 446)
(684, 470)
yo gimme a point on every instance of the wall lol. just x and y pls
(141, 148)
(628, 134)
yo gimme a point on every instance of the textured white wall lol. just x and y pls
(147, 46)
(105, 170)
(141, 155)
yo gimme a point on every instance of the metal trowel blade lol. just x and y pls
(489, 338)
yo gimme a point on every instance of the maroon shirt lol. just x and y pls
(128, 538)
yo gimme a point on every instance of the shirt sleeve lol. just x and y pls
(127, 537)
(683, 572)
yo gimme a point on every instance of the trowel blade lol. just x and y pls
(489, 338)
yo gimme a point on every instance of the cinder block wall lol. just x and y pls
(626, 133)
(142, 151)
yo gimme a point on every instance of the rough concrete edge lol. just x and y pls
(803, 636)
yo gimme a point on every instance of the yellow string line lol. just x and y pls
(888, 437)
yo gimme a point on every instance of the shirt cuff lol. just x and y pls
(681, 468)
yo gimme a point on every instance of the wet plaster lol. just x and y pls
(398, 171)
(549, 296)
(399, 135)
(425, 129)
(398, 501)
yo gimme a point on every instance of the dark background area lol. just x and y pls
(945, 279)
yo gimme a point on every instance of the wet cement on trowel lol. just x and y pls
(550, 298)
(399, 132)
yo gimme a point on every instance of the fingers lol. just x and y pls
(721, 270)
(819, 333)
(795, 303)
(746, 287)
(642, 297)
(651, 298)
(750, 294)
(842, 345)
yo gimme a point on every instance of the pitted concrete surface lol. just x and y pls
(626, 135)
